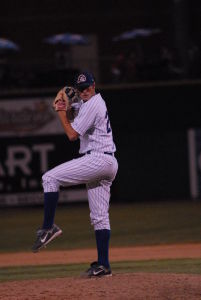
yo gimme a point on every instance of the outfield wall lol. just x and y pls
(150, 126)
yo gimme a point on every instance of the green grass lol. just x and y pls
(179, 266)
(132, 224)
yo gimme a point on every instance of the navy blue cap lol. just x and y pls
(84, 80)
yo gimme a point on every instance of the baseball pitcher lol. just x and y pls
(83, 115)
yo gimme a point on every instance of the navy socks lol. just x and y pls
(50, 204)
(102, 242)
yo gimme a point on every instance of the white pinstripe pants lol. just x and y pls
(97, 171)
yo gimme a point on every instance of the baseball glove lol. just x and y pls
(71, 94)
(74, 103)
(65, 98)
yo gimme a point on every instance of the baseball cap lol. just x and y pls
(84, 80)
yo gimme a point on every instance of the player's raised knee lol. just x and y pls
(50, 184)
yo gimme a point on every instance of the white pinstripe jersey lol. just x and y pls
(93, 125)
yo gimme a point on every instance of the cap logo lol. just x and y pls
(81, 78)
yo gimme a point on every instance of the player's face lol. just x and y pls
(87, 93)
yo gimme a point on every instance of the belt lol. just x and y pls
(108, 153)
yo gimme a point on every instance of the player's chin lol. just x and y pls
(86, 97)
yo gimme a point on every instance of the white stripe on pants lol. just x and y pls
(95, 170)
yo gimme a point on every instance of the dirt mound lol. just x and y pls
(119, 286)
(138, 286)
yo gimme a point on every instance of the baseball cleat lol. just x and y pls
(97, 270)
(44, 236)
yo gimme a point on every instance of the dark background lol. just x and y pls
(150, 113)
(27, 23)
(150, 126)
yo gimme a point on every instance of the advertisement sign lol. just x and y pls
(32, 141)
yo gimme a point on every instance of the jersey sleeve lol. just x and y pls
(85, 118)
